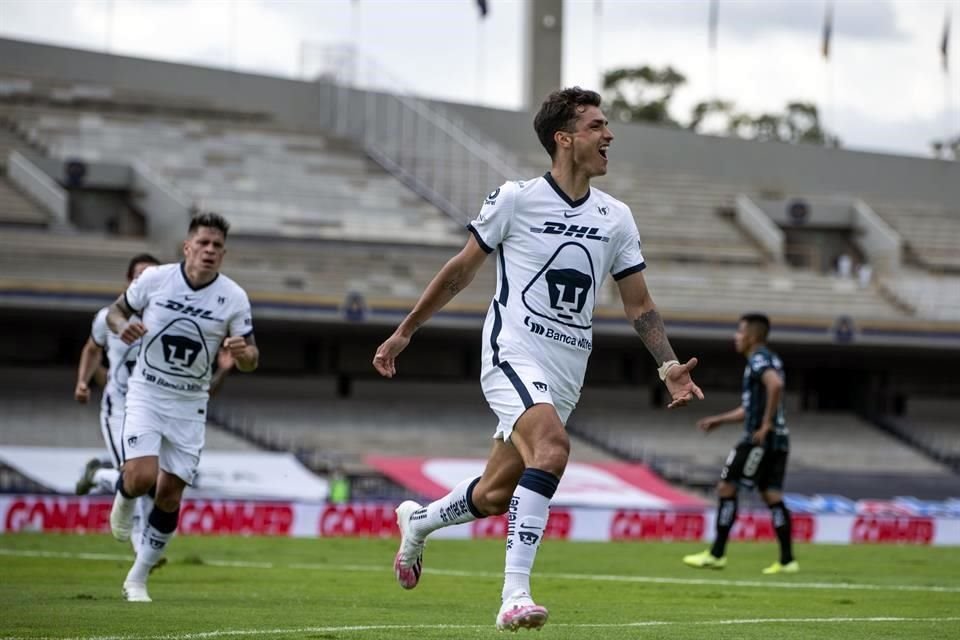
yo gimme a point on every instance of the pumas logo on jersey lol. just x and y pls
(603, 210)
(132, 441)
(179, 349)
(571, 231)
(221, 300)
(190, 310)
(564, 289)
(540, 386)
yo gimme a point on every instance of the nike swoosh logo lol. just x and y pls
(189, 297)
(567, 214)
(526, 526)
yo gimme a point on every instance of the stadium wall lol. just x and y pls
(71, 514)
(785, 168)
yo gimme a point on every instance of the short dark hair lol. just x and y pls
(759, 322)
(209, 219)
(559, 113)
(140, 258)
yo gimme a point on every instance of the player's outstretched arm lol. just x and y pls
(452, 278)
(712, 422)
(89, 363)
(643, 315)
(118, 320)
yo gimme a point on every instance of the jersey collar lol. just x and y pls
(183, 272)
(572, 203)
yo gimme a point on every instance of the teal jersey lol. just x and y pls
(754, 398)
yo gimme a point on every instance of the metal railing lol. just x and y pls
(436, 154)
(39, 187)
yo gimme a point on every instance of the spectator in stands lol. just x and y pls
(864, 274)
(187, 311)
(760, 458)
(556, 238)
(339, 485)
(844, 265)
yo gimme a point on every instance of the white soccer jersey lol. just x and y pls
(121, 358)
(553, 254)
(185, 328)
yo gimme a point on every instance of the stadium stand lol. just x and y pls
(932, 232)
(38, 409)
(449, 419)
(668, 439)
(273, 182)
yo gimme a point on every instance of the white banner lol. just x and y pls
(223, 474)
(72, 514)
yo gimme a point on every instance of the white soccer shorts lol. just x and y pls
(511, 387)
(177, 442)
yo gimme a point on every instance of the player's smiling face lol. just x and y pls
(203, 252)
(591, 140)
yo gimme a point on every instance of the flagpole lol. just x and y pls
(598, 41)
(481, 62)
(713, 26)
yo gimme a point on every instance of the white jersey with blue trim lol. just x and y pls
(121, 359)
(553, 255)
(185, 328)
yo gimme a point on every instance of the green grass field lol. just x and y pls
(69, 587)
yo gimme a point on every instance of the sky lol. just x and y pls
(884, 88)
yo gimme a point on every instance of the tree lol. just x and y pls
(641, 94)
(799, 123)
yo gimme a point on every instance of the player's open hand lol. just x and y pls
(385, 361)
(680, 385)
(81, 393)
(132, 332)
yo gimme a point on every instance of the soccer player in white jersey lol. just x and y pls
(187, 311)
(121, 359)
(556, 238)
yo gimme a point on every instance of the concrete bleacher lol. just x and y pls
(934, 422)
(38, 409)
(270, 182)
(669, 438)
(398, 418)
(932, 296)
(931, 232)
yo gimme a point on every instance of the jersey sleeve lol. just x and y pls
(629, 257)
(491, 225)
(760, 362)
(241, 321)
(137, 295)
(99, 328)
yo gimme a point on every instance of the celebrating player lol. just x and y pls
(187, 310)
(556, 238)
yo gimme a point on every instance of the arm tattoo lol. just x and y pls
(452, 285)
(650, 328)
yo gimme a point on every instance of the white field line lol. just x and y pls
(228, 633)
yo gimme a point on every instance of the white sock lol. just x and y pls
(105, 480)
(526, 523)
(453, 508)
(151, 549)
(144, 507)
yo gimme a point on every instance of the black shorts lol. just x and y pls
(749, 465)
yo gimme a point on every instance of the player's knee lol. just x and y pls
(726, 489)
(493, 502)
(552, 453)
(167, 502)
(137, 481)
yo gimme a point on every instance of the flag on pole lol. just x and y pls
(827, 30)
(945, 43)
(712, 24)
(482, 5)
